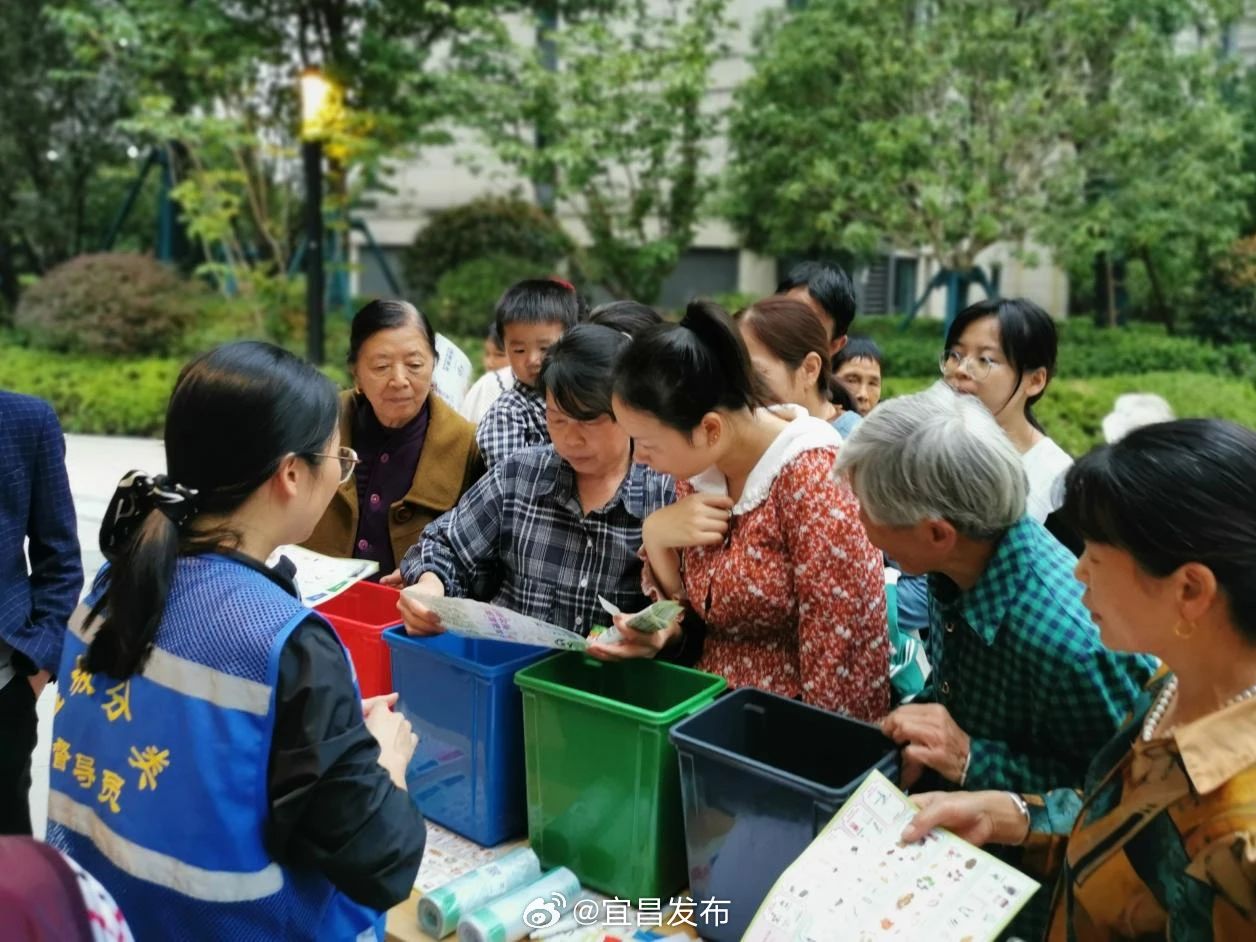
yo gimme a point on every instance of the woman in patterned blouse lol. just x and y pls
(1165, 843)
(764, 545)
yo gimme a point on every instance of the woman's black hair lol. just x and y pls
(627, 317)
(386, 314)
(1175, 493)
(1027, 336)
(680, 372)
(578, 368)
(540, 301)
(858, 348)
(234, 415)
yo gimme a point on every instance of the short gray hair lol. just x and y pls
(936, 455)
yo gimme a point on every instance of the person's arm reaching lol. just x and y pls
(453, 549)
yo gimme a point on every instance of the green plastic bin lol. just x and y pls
(603, 780)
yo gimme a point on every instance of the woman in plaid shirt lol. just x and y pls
(551, 527)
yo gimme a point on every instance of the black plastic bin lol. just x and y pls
(760, 777)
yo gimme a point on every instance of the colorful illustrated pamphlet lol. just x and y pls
(320, 577)
(859, 876)
(472, 619)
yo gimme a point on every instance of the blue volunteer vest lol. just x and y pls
(159, 783)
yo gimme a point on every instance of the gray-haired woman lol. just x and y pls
(1022, 689)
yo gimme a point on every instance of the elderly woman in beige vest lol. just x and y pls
(416, 454)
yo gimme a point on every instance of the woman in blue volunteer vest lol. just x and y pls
(213, 764)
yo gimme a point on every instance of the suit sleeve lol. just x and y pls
(56, 577)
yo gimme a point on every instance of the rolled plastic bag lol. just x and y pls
(440, 910)
(539, 905)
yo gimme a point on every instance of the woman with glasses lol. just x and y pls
(213, 765)
(1003, 352)
(416, 454)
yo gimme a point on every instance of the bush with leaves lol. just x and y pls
(118, 304)
(1226, 314)
(1072, 411)
(1085, 350)
(466, 296)
(490, 226)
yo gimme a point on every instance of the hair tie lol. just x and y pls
(136, 496)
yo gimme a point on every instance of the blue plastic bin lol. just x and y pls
(760, 777)
(460, 695)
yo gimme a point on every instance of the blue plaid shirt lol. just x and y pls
(1018, 663)
(524, 519)
(514, 421)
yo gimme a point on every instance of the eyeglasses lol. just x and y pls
(347, 457)
(977, 367)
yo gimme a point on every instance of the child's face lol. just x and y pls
(494, 356)
(526, 345)
(862, 379)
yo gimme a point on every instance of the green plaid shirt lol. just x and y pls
(1019, 665)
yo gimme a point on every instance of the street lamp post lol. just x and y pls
(315, 94)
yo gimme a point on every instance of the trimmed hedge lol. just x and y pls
(1085, 350)
(102, 397)
(1073, 409)
(106, 397)
(93, 395)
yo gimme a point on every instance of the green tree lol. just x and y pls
(64, 160)
(955, 125)
(1157, 146)
(214, 82)
(896, 123)
(610, 118)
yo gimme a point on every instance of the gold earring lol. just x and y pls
(1190, 629)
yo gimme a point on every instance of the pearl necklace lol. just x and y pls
(1161, 706)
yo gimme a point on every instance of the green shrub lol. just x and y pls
(1227, 316)
(1226, 312)
(93, 395)
(118, 304)
(1085, 350)
(1073, 409)
(491, 226)
(466, 296)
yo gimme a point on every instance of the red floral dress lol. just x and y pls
(794, 600)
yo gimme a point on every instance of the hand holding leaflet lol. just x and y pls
(472, 619)
(859, 875)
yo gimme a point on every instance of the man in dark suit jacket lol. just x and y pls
(35, 600)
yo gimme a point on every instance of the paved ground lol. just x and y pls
(95, 464)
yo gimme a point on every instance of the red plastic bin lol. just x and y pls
(360, 614)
